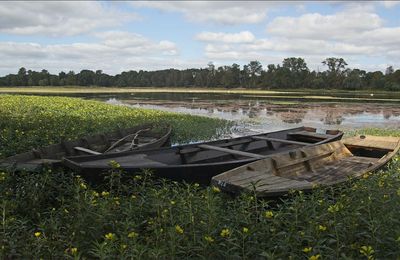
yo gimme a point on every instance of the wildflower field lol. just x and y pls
(56, 214)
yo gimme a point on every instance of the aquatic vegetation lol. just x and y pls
(32, 121)
(56, 214)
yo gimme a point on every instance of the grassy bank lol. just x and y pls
(58, 215)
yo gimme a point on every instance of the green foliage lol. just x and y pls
(56, 214)
(31, 121)
(293, 73)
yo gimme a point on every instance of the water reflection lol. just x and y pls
(274, 115)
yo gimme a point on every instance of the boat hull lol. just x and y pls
(194, 162)
(51, 155)
(309, 167)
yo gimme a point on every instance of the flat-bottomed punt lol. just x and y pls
(303, 168)
(135, 138)
(200, 162)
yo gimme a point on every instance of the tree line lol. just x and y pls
(292, 73)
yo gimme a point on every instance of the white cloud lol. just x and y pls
(130, 51)
(58, 18)
(219, 12)
(390, 4)
(339, 26)
(241, 37)
(355, 33)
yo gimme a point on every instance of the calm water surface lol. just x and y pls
(259, 113)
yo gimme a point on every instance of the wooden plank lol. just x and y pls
(372, 142)
(85, 150)
(220, 144)
(310, 134)
(231, 151)
(280, 140)
(302, 160)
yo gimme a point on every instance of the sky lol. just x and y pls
(117, 36)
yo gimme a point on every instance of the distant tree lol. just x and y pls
(336, 67)
(85, 78)
(70, 79)
(22, 77)
(299, 71)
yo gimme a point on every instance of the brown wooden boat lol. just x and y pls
(306, 167)
(135, 138)
(199, 162)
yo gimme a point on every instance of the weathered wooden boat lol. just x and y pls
(139, 137)
(304, 168)
(199, 162)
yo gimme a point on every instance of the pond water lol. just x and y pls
(255, 113)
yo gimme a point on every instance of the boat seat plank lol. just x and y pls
(373, 142)
(86, 150)
(280, 165)
(231, 151)
(227, 144)
(279, 140)
(310, 134)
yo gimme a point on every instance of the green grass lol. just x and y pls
(55, 214)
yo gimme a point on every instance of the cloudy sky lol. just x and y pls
(120, 36)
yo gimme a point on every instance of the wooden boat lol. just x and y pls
(303, 168)
(140, 137)
(199, 162)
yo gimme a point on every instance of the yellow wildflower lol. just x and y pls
(38, 234)
(321, 228)
(172, 202)
(105, 193)
(178, 229)
(133, 234)
(307, 249)
(209, 239)
(123, 246)
(74, 251)
(367, 251)
(83, 186)
(110, 236)
(315, 257)
(225, 232)
(196, 185)
(114, 164)
(269, 214)
(245, 230)
(334, 208)
(216, 189)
